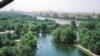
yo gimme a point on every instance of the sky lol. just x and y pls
(1, 0)
(55, 5)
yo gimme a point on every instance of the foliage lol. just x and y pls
(73, 24)
(8, 51)
(64, 34)
(27, 45)
(90, 36)
(24, 28)
(6, 40)
(28, 39)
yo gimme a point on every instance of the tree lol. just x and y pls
(64, 34)
(24, 29)
(90, 36)
(28, 44)
(18, 28)
(68, 35)
(88, 25)
(44, 27)
(8, 51)
(6, 40)
(56, 34)
(26, 51)
(73, 24)
(28, 39)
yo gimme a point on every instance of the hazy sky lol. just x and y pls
(0, 0)
(55, 5)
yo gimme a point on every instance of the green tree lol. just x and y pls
(90, 36)
(56, 34)
(73, 24)
(8, 51)
(68, 35)
(64, 34)
(28, 44)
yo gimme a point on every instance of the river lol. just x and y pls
(46, 47)
(60, 21)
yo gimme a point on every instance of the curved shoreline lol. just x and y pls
(85, 50)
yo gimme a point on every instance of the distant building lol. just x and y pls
(94, 15)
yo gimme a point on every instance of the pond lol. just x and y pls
(46, 47)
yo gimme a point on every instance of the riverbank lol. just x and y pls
(85, 50)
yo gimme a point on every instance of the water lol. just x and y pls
(46, 47)
(60, 21)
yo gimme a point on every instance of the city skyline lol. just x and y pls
(55, 5)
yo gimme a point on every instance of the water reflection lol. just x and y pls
(67, 49)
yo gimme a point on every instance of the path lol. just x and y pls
(85, 50)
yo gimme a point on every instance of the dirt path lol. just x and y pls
(85, 50)
(17, 40)
(7, 31)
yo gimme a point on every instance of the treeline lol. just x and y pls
(89, 33)
(25, 28)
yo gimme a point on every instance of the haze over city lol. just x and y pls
(55, 5)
